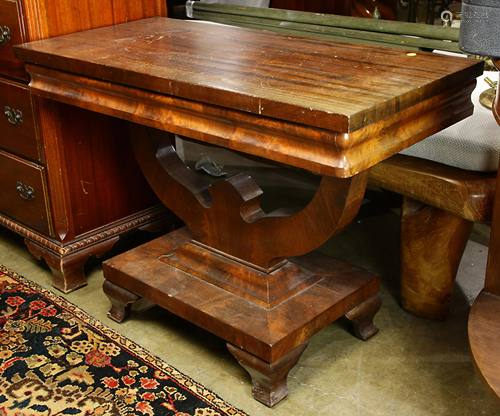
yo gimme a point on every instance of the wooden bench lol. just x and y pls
(441, 202)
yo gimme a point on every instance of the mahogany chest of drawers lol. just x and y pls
(69, 182)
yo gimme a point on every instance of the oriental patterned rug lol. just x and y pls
(57, 360)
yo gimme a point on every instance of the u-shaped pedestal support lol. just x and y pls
(249, 277)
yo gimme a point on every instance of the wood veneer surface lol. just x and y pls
(334, 85)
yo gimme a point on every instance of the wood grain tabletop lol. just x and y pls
(334, 85)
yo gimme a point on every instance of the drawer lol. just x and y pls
(11, 33)
(17, 121)
(23, 191)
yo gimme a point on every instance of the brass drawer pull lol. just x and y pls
(26, 192)
(4, 35)
(15, 117)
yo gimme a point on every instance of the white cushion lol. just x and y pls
(472, 144)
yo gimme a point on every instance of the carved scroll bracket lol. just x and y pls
(227, 216)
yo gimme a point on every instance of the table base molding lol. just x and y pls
(271, 339)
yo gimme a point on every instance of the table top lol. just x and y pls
(341, 87)
(327, 84)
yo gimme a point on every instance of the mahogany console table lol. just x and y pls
(333, 108)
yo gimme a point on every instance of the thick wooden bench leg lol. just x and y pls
(432, 244)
